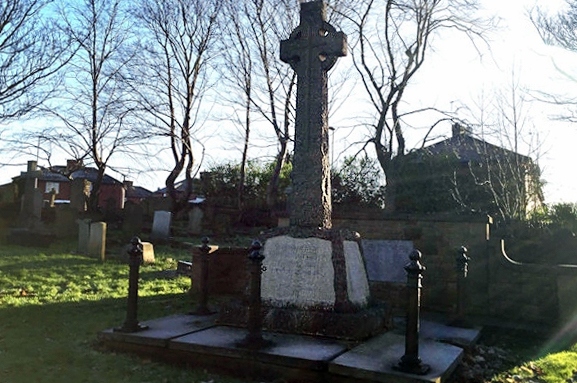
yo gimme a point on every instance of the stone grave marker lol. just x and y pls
(161, 225)
(195, 216)
(133, 219)
(315, 275)
(147, 252)
(79, 192)
(65, 222)
(97, 240)
(386, 259)
(83, 235)
(31, 208)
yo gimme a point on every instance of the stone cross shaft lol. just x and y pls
(312, 50)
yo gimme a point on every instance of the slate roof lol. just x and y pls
(467, 149)
(50, 176)
(137, 192)
(91, 174)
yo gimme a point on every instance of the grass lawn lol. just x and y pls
(53, 302)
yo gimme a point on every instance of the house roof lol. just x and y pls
(467, 149)
(50, 176)
(137, 192)
(91, 174)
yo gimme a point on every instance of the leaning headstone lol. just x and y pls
(97, 240)
(161, 225)
(386, 259)
(83, 235)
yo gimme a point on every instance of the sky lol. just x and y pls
(461, 75)
(456, 74)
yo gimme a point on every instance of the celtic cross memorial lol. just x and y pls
(312, 50)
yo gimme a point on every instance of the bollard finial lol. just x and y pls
(255, 253)
(414, 267)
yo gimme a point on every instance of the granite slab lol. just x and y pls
(161, 330)
(374, 360)
(293, 351)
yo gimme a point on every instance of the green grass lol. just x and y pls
(534, 356)
(53, 303)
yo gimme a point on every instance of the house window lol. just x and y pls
(52, 186)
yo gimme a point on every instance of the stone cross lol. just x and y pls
(312, 49)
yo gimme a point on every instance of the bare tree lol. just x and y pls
(92, 113)
(559, 30)
(508, 173)
(390, 42)
(177, 47)
(253, 70)
(31, 52)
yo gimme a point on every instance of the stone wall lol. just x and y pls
(438, 238)
(498, 289)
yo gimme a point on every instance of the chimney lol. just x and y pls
(127, 184)
(460, 130)
(32, 166)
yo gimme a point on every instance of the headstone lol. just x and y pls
(97, 240)
(195, 216)
(161, 225)
(31, 208)
(386, 259)
(147, 252)
(83, 235)
(133, 219)
(79, 192)
(65, 223)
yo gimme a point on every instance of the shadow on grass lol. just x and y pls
(54, 342)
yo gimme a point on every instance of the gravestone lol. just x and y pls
(161, 225)
(386, 259)
(147, 252)
(65, 222)
(133, 219)
(97, 240)
(195, 216)
(314, 279)
(31, 207)
(79, 192)
(83, 235)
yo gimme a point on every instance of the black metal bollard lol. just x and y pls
(254, 339)
(202, 307)
(411, 362)
(462, 268)
(135, 260)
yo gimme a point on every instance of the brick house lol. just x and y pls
(58, 180)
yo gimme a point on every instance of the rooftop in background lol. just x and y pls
(467, 148)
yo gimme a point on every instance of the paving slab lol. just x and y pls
(292, 351)
(435, 330)
(161, 330)
(374, 360)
